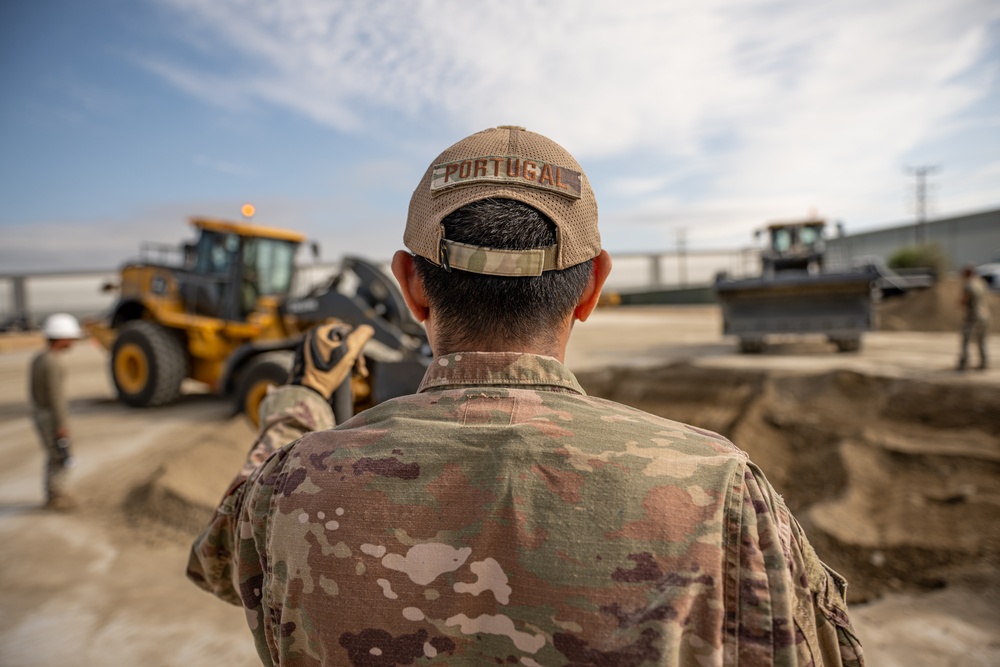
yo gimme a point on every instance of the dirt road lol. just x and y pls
(105, 584)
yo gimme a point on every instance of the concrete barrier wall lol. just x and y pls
(635, 271)
(42, 294)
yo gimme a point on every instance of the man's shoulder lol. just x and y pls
(563, 416)
(633, 421)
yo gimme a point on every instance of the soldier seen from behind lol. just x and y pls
(500, 515)
(976, 324)
(49, 406)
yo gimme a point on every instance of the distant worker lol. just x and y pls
(500, 516)
(49, 405)
(976, 324)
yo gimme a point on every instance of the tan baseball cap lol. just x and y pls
(506, 162)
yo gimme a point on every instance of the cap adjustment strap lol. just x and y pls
(497, 262)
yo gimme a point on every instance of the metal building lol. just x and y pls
(965, 239)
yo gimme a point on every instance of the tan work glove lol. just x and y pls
(325, 357)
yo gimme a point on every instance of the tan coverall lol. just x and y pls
(976, 325)
(50, 411)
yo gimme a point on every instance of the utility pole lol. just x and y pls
(682, 255)
(920, 173)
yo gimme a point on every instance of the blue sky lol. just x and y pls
(121, 118)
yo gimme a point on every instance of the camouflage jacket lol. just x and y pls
(502, 516)
(977, 307)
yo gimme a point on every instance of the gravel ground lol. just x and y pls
(105, 583)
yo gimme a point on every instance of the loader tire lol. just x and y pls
(263, 371)
(148, 364)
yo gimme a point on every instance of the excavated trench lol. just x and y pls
(896, 481)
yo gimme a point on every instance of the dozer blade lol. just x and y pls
(834, 304)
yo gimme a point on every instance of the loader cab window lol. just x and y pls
(216, 252)
(268, 264)
(809, 236)
(781, 239)
(211, 261)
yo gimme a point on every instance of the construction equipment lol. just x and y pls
(220, 311)
(794, 247)
(795, 295)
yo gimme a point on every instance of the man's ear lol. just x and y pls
(405, 270)
(591, 295)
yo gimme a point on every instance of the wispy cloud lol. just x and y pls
(218, 90)
(223, 166)
(103, 243)
(819, 104)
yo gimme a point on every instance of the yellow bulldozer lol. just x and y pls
(220, 310)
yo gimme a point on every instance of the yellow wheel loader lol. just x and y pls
(219, 311)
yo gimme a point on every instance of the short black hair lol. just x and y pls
(473, 307)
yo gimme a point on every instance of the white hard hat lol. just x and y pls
(61, 326)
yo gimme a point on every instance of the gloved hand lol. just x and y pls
(325, 357)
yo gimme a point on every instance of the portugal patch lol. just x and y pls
(512, 170)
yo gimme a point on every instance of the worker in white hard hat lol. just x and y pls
(49, 405)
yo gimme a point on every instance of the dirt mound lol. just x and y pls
(936, 308)
(183, 491)
(896, 481)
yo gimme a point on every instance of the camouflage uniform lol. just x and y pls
(976, 325)
(502, 516)
(50, 411)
